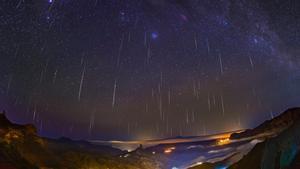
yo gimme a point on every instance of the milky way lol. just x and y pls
(137, 69)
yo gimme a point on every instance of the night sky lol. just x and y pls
(141, 69)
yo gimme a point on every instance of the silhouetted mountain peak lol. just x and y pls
(4, 122)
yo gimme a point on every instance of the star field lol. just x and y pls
(140, 69)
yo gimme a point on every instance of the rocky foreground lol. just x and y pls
(22, 148)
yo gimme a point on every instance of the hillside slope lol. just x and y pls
(280, 150)
(22, 148)
(273, 126)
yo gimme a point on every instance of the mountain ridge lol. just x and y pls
(275, 125)
(22, 148)
(279, 150)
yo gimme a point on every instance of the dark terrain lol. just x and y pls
(280, 151)
(22, 148)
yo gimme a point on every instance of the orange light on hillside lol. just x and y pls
(169, 150)
(223, 141)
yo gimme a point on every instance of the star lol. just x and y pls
(154, 35)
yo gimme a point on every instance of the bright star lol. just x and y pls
(154, 35)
